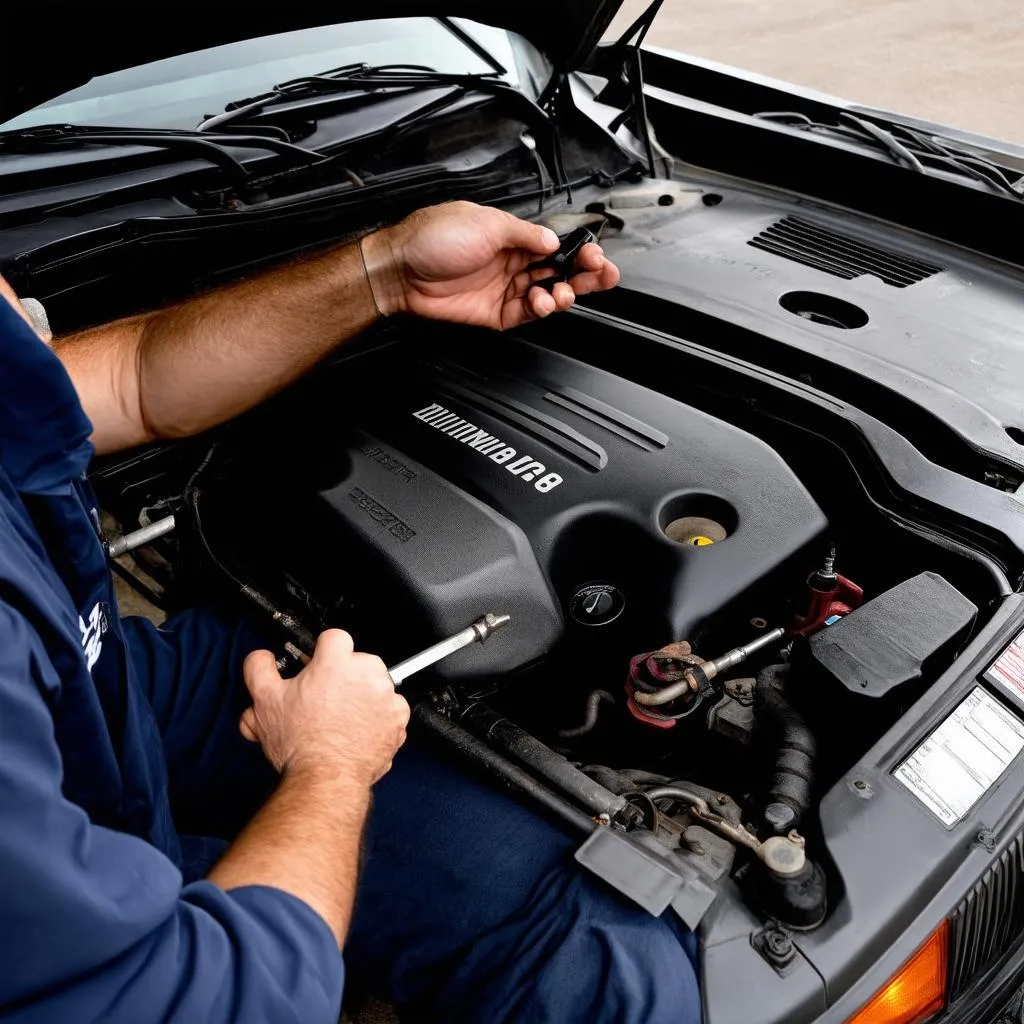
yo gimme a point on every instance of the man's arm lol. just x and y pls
(331, 732)
(305, 840)
(181, 370)
(96, 925)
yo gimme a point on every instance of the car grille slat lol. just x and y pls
(989, 919)
(814, 245)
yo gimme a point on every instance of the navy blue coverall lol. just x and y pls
(119, 746)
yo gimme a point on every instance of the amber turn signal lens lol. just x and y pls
(916, 991)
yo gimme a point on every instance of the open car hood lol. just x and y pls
(48, 48)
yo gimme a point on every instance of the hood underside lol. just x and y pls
(49, 49)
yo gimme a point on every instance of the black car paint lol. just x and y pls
(910, 870)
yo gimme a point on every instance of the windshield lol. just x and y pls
(180, 91)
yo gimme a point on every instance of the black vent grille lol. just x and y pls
(824, 249)
(988, 920)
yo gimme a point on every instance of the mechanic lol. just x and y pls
(470, 907)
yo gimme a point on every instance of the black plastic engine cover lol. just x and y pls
(451, 472)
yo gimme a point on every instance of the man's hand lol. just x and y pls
(340, 714)
(180, 371)
(467, 263)
(332, 732)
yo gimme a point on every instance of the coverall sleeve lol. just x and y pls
(95, 924)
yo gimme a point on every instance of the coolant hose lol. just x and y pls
(789, 794)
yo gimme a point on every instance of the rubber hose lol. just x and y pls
(478, 752)
(500, 733)
(793, 771)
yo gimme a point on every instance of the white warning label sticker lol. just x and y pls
(965, 755)
(1008, 671)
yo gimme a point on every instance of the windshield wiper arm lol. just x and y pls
(932, 151)
(357, 78)
(477, 47)
(394, 79)
(983, 169)
(909, 148)
(886, 140)
(215, 148)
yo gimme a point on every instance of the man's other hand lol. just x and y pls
(468, 264)
(339, 715)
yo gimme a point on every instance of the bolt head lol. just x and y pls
(779, 947)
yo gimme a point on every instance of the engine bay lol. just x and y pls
(753, 516)
(707, 628)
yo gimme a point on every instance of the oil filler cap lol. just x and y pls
(596, 604)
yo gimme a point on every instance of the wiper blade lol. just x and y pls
(886, 140)
(930, 150)
(909, 147)
(392, 79)
(983, 169)
(358, 78)
(213, 147)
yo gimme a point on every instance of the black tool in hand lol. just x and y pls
(563, 261)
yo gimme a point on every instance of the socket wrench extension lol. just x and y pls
(478, 632)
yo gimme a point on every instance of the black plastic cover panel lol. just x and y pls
(886, 643)
(435, 547)
(476, 472)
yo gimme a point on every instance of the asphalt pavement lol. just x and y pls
(953, 62)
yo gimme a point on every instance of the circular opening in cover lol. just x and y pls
(697, 520)
(826, 310)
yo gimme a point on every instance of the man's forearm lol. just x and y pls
(305, 841)
(181, 370)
